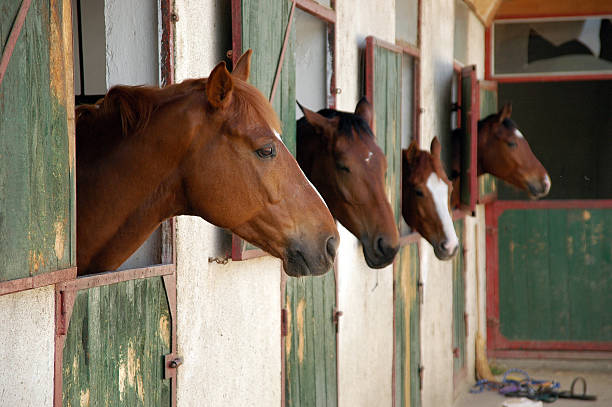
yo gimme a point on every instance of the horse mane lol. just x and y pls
(348, 122)
(133, 106)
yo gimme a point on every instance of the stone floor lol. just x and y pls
(598, 375)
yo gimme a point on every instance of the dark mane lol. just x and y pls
(348, 123)
(508, 123)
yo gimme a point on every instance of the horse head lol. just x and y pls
(338, 152)
(243, 177)
(504, 152)
(426, 193)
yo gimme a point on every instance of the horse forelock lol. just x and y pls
(349, 124)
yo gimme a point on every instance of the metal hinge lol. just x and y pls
(456, 352)
(465, 319)
(420, 288)
(284, 322)
(336, 317)
(421, 368)
(172, 362)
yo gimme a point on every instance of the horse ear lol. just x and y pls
(242, 69)
(435, 148)
(364, 110)
(219, 86)
(505, 112)
(319, 122)
(412, 150)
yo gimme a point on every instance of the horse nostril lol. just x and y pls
(331, 246)
(444, 245)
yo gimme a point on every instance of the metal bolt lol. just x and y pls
(230, 54)
(174, 17)
(174, 363)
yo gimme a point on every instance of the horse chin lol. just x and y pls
(375, 262)
(443, 254)
(296, 264)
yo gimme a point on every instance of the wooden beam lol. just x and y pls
(552, 8)
(484, 9)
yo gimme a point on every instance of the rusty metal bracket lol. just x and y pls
(171, 362)
(336, 318)
(284, 327)
(421, 369)
(7, 53)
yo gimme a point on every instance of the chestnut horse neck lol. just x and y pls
(338, 153)
(425, 198)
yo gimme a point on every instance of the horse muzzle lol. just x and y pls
(379, 252)
(302, 260)
(539, 188)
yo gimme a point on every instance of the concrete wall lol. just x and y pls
(365, 296)
(27, 347)
(228, 315)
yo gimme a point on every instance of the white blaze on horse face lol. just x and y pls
(277, 135)
(439, 192)
(370, 154)
(518, 133)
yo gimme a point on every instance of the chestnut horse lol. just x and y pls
(426, 193)
(338, 153)
(504, 152)
(205, 147)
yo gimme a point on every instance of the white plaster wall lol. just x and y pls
(365, 337)
(228, 324)
(228, 315)
(436, 313)
(27, 321)
(132, 53)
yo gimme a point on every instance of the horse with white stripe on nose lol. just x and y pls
(426, 193)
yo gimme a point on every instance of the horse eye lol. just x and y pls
(342, 167)
(267, 151)
(418, 192)
(511, 144)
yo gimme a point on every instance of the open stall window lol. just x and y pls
(108, 52)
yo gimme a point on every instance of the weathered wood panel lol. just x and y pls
(459, 328)
(487, 183)
(555, 268)
(387, 100)
(407, 327)
(37, 201)
(114, 351)
(515, 8)
(310, 344)
(263, 29)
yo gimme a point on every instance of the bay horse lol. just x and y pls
(338, 153)
(207, 147)
(504, 153)
(426, 193)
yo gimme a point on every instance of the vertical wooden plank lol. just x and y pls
(116, 342)
(487, 184)
(36, 178)
(459, 328)
(558, 273)
(407, 328)
(310, 344)
(386, 90)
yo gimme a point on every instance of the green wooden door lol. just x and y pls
(310, 344)
(115, 347)
(487, 183)
(383, 89)
(261, 26)
(555, 276)
(37, 186)
(459, 327)
(407, 327)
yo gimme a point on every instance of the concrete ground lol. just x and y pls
(598, 375)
